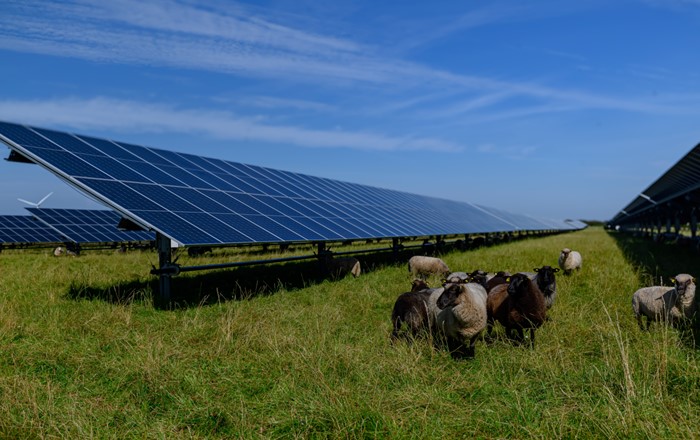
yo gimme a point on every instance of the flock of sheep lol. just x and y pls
(457, 313)
(467, 304)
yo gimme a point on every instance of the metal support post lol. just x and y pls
(164, 261)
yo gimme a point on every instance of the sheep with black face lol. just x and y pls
(462, 317)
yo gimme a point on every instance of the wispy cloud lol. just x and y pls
(229, 38)
(116, 115)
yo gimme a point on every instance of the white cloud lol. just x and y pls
(228, 38)
(105, 113)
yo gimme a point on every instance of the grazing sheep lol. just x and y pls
(340, 267)
(547, 283)
(196, 251)
(420, 266)
(517, 305)
(569, 260)
(657, 303)
(462, 318)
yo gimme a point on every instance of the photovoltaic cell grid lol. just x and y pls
(197, 200)
(24, 229)
(88, 225)
(680, 179)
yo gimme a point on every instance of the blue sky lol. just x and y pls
(558, 109)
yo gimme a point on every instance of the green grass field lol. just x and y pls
(274, 353)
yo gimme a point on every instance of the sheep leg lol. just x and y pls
(458, 350)
(519, 335)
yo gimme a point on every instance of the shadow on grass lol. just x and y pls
(240, 283)
(658, 262)
(214, 286)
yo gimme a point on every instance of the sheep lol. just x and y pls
(411, 308)
(517, 305)
(657, 303)
(500, 277)
(196, 251)
(58, 251)
(420, 266)
(340, 267)
(462, 317)
(569, 260)
(547, 283)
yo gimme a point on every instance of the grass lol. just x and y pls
(277, 353)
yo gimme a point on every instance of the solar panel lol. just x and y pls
(521, 221)
(24, 229)
(203, 201)
(679, 180)
(577, 224)
(88, 225)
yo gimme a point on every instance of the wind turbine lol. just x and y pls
(36, 205)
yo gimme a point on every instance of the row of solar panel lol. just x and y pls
(100, 226)
(66, 225)
(195, 200)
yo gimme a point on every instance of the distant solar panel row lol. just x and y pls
(24, 229)
(88, 225)
(196, 200)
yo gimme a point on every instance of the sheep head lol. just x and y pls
(683, 283)
(546, 277)
(417, 285)
(517, 284)
(478, 276)
(448, 298)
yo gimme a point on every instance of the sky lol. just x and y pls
(555, 109)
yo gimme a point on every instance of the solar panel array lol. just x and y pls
(681, 179)
(88, 225)
(24, 229)
(195, 200)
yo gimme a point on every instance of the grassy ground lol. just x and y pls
(84, 354)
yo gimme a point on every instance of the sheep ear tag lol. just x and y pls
(673, 281)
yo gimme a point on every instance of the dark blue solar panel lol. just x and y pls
(88, 225)
(24, 229)
(198, 200)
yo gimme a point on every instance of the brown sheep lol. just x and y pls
(518, 305)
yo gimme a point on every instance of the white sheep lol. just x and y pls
(657, 303)
(462, 317)
(420, 266)
(58, 251)
(570, 260)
